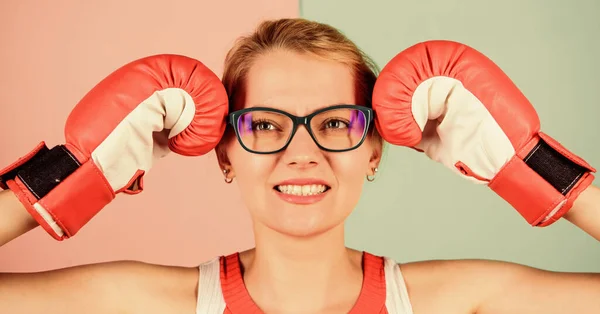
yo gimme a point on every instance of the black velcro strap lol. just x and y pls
(10, 175)
(555, 168)
(45, 171)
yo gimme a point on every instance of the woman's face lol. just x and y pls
(272, 185)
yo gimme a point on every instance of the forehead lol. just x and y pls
(298, 83)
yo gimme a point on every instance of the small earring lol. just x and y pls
(372, 178)
(227, 180)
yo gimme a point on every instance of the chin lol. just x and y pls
(308, 224)
(301, 220)
(301, 231)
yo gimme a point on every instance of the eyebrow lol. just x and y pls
(316, 109)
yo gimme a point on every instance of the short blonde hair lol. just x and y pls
(304, 36)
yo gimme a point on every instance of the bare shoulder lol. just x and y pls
(121, 287)
(152, 288)
(459, 286)
(491, 287)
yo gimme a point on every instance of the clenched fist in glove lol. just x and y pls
(454, 104)
(137, 114)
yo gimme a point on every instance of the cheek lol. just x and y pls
(350, 168)
(251, 171)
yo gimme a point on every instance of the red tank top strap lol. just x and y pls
(373, 293)
(238, 300)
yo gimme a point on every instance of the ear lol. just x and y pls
(223, 158)
(376, 155)
(373, 165)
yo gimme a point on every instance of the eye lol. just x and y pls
(263, 126)
(335, 124)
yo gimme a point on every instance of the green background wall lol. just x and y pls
(417, 209)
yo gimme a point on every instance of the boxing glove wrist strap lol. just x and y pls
(558, 170)
(543, 184)
(45, 170)
(61, 193)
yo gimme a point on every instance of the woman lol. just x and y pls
(299, 193)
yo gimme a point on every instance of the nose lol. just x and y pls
(302, 152)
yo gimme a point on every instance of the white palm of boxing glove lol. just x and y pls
(138, 114)
(454, 104)
(459, 131)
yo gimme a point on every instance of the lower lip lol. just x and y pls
(302, 199)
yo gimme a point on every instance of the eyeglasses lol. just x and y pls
(337, 128)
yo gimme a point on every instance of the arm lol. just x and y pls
(14, 219)
(512, 288)
(117, 287)
(490, 287)
(585, 212)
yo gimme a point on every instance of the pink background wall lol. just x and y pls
(52, 53)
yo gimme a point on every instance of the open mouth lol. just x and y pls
(302, 190)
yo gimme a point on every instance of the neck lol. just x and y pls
(301, 272)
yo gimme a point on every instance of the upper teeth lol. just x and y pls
(301, 189)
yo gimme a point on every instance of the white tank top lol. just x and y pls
(221, 289)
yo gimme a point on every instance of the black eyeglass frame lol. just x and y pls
(298, 121)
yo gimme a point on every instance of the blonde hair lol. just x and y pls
(303, 36)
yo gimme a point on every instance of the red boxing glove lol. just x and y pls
(454, 104)
(136, 115)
